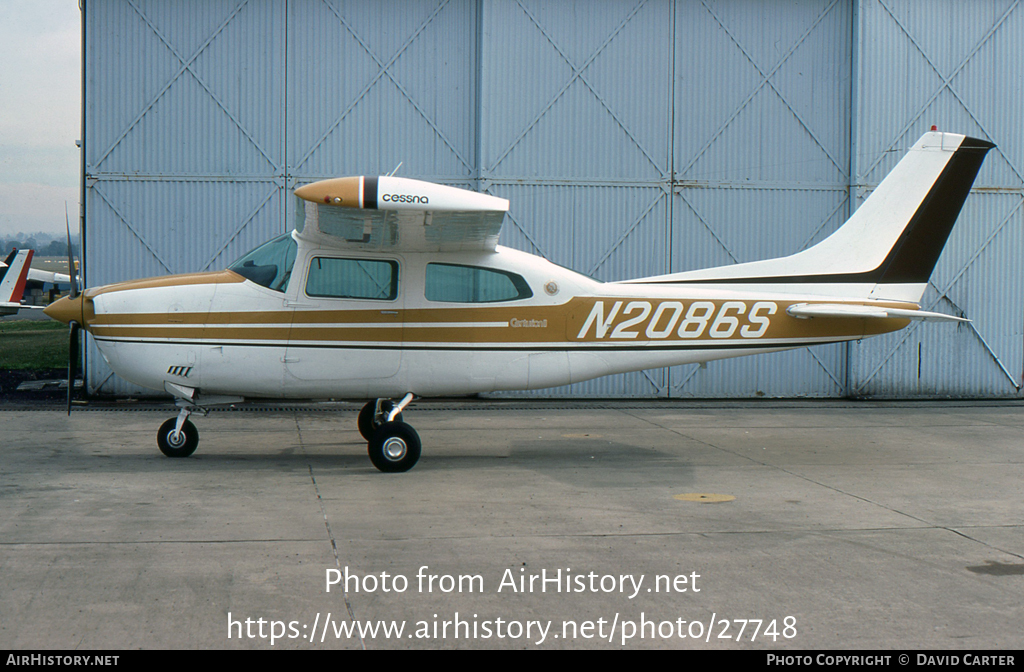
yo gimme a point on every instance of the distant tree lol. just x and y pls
(53, 248)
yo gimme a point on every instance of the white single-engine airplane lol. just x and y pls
(13, 275)
(390, 288)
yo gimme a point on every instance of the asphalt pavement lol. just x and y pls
(771, 525)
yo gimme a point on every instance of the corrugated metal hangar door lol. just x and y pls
(184, 141)
(959, 65)
(656, 137)
(633, 137)
(762, 163)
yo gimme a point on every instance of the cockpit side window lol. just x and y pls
(472, 284)
(270, 264)
(372, 279)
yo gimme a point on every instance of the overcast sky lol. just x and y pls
(40, 114)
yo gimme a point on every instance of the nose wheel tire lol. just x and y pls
(177, 444)
(368, 423)
(394, 447)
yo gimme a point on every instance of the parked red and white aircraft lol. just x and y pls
(41, 276)
(34, 277)
(390, 288)
(14, 272)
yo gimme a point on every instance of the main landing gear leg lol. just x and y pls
(393, 445)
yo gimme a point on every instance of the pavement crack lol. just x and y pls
(330, 533)
(983, 543)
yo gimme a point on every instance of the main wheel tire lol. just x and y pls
(366, 422)
(395, 447)
(180, 445)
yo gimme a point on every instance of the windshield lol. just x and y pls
(270, 264)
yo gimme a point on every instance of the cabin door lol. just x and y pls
(346, 331)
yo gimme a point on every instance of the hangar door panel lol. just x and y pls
(577, 135)
(933, 64)
(183, 141)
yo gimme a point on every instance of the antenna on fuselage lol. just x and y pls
(392, 173)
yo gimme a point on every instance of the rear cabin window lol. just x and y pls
(473, 284)
(371, 279)
(270, 264)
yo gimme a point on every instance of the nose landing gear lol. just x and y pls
(178, 437)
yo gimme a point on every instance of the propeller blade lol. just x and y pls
(71, 259)
(72, 360)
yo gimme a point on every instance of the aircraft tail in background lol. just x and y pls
(12, 280)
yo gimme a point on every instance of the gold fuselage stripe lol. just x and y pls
(566, 323)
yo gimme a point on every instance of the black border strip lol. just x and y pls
(369, 193)
(751, 345)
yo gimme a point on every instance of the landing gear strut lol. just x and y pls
(178, 437)
(393, 445)
(373, 415)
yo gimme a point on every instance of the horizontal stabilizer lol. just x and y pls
(809, 310)
(19, 306)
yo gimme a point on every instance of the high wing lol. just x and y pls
(12, 281)
(36, 275)
(395, 213)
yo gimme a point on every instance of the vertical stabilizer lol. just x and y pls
(890, 245)
(12, 284)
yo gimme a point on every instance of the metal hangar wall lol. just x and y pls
(632, 137)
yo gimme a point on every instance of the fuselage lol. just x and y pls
(341, 324)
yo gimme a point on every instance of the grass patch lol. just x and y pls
(33, 344)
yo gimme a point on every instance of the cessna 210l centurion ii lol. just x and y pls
(390, 288)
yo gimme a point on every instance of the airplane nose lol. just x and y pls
(67, 310)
